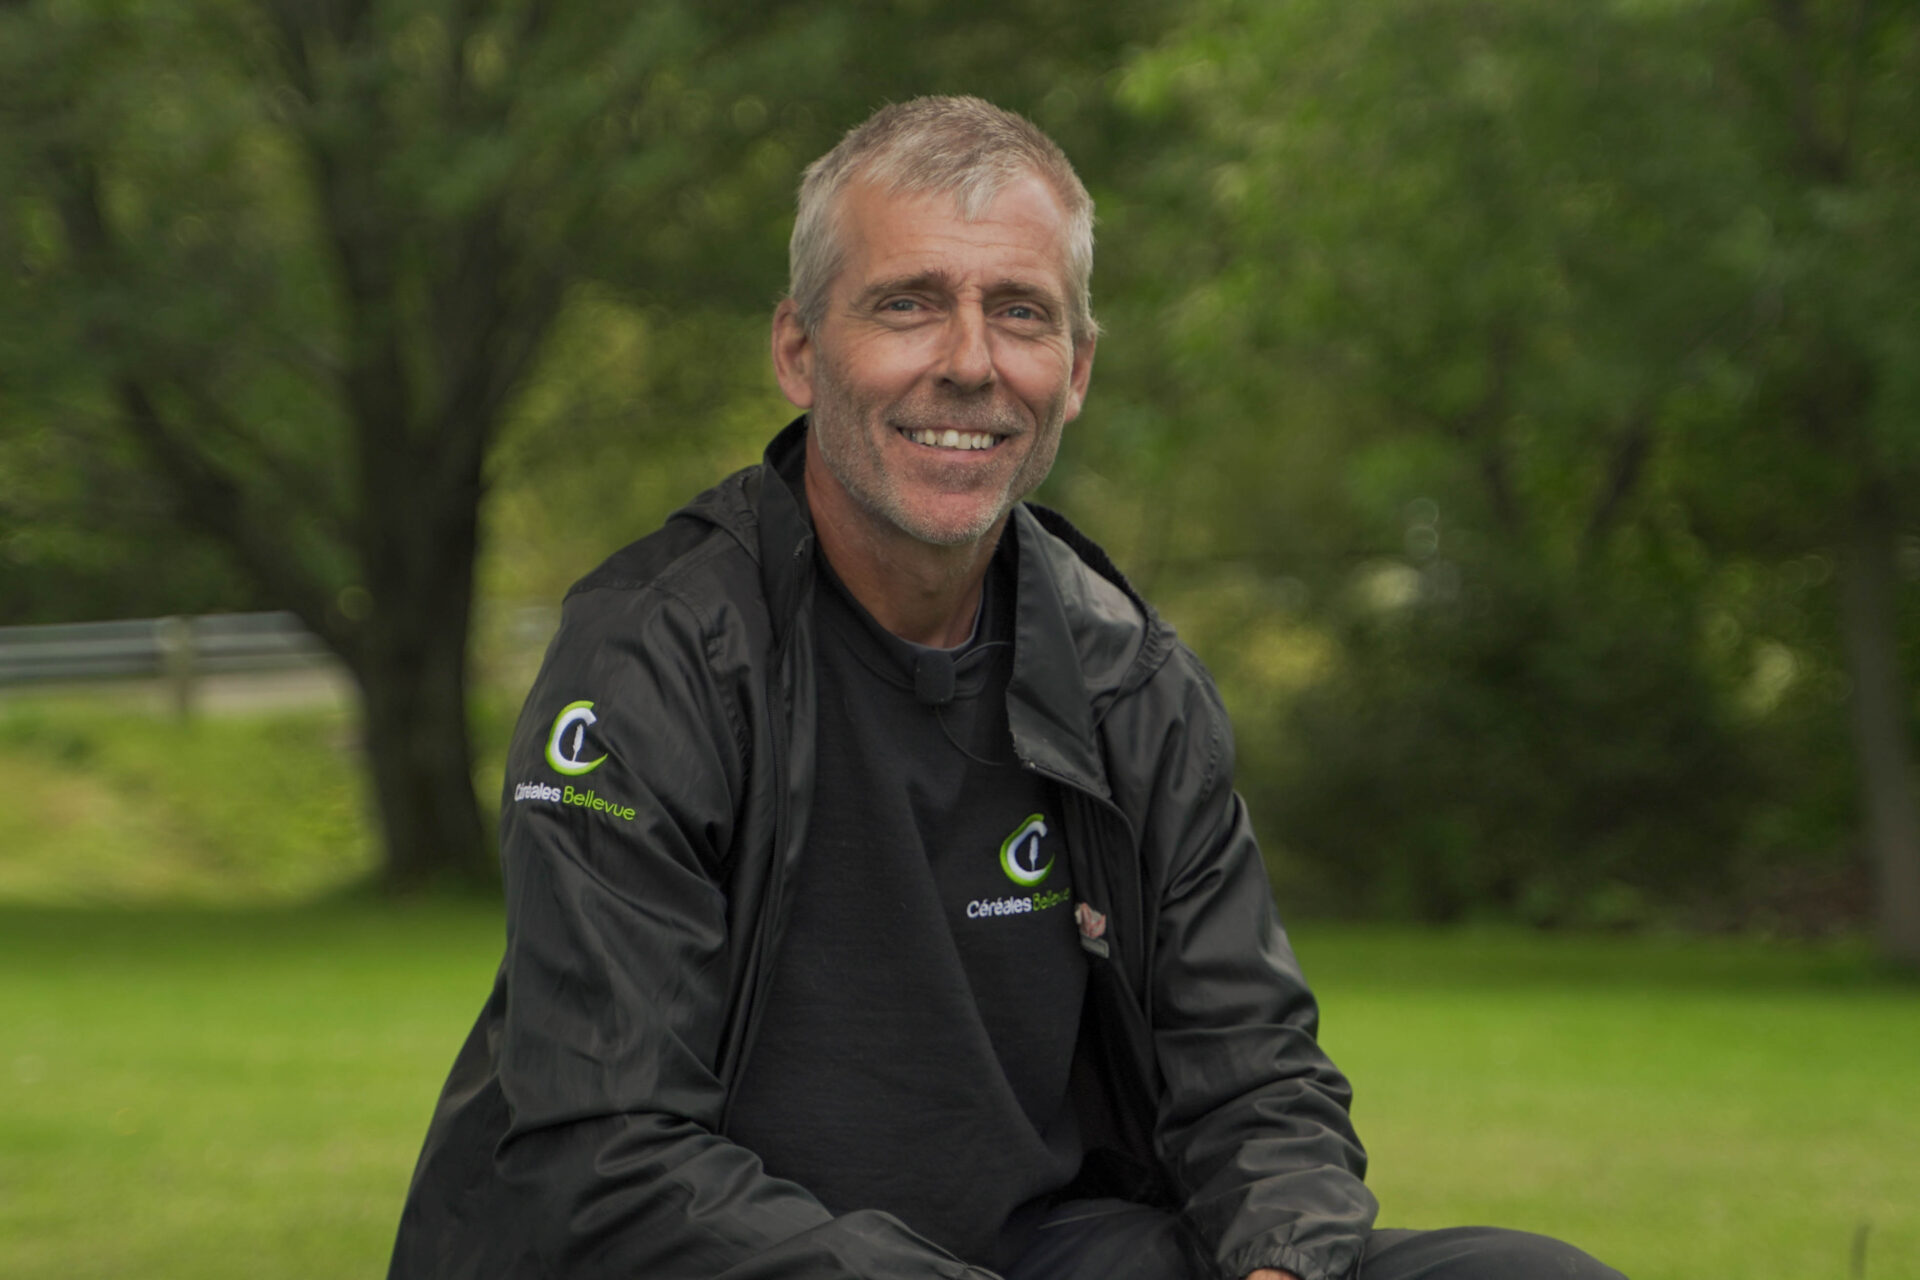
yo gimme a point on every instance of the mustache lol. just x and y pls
(962, 415)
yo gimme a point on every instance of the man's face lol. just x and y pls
(944, 366)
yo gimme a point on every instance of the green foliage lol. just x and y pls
(1592, 322)
(82, 539)
(300, 264)
(636, 409)
(1554, 310)
(1494, 747)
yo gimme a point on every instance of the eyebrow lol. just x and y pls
(942, 282)
(920, 282)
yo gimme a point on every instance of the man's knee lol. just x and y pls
(1477, 1253)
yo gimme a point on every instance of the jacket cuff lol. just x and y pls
(1244, 1262)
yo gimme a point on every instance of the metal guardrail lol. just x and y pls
(177, 648)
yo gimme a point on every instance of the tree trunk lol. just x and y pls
(421, 536)
(420, 759)
(1880, 716)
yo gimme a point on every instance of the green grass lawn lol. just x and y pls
(109, 803)
(1683, 1108)
(205, 1094)
(201, 1093)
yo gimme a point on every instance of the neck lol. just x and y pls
(922, 592)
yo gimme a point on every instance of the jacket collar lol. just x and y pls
(784, 528)
(1070, 648)
(1082, 635)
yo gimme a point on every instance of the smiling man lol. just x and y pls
(938, 365)
(910, 925)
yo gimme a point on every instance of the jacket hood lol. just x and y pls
(1083, 636)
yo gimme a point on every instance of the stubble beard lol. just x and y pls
(839, 421)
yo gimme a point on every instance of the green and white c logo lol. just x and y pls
(563, 755)
(1020, 853)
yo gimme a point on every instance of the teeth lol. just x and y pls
(950, 439)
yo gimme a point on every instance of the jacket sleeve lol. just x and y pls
(1253, 1119)
(615, 839)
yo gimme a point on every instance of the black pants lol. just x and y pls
(1115, 1240)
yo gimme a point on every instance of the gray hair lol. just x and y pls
(965, 146)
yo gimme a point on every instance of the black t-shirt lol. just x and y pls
(914, 1052)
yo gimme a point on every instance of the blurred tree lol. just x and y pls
(1446, 231)
(1823, 444)
(1553, 263)
(82, 540)
(306, 255)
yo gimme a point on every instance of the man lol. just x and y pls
(879, 904)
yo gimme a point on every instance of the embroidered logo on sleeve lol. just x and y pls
(566, 752)
(569, 739)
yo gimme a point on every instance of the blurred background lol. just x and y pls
(1515, 402)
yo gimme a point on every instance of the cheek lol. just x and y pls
(884, 369)
(1039, 376)
(1048, 399)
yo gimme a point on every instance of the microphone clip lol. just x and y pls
(933, 678)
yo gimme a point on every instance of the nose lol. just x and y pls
(969, 361)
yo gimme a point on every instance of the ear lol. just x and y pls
(793, 354)
(1082, 375)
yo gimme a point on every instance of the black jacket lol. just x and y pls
(583, 1131)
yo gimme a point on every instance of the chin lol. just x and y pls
(947, 535)
(950, 530)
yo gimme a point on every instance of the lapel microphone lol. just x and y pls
(933, 678)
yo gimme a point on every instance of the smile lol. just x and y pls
(950, 438)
